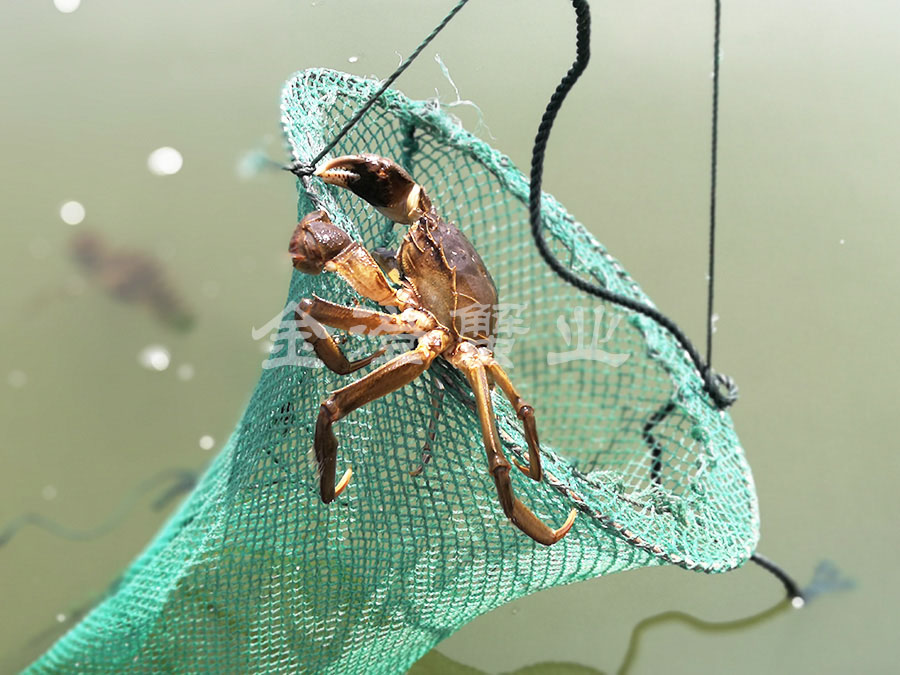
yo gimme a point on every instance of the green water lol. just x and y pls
(807, 279)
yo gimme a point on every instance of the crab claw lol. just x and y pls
(315, 241)
(381, 182)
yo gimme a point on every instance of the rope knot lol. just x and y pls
(721, 387)
(300, 169)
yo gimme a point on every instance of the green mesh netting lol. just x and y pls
(255, 574)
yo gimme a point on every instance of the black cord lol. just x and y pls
(790, 586)
(301, 169)
(712, 381)
(713, 170)
(655, 446)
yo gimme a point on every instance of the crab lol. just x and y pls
(431, 280)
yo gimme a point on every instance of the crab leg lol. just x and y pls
(525, 413)
(437, 398)
(516, 511)
(399, 371)
(327, 350)
(358, 268)
(319, 245)
(369, 321)
(311, 311)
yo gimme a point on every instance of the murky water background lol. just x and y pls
(807, 283)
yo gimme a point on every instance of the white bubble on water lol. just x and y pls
(207, 442)
(155, 357)
(67, 6)
(72, 212)
(185, 372)
(17, 379)
(165, 161)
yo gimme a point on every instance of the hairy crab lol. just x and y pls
(432, 279)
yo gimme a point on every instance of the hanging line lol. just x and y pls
(713, 171)
(712, 381)
(301, 169)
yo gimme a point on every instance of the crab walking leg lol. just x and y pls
(437, 399)
(362, 320)
(311, 311)
(327, 350)
(394, 374)
(520, 515)
(525, 413)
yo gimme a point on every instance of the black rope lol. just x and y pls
(301, 169)
(790, 586)
(655, 446)
(713, 167)
(713, 383)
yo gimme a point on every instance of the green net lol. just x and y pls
(255, 574)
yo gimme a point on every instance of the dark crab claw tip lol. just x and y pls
(379, 181)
